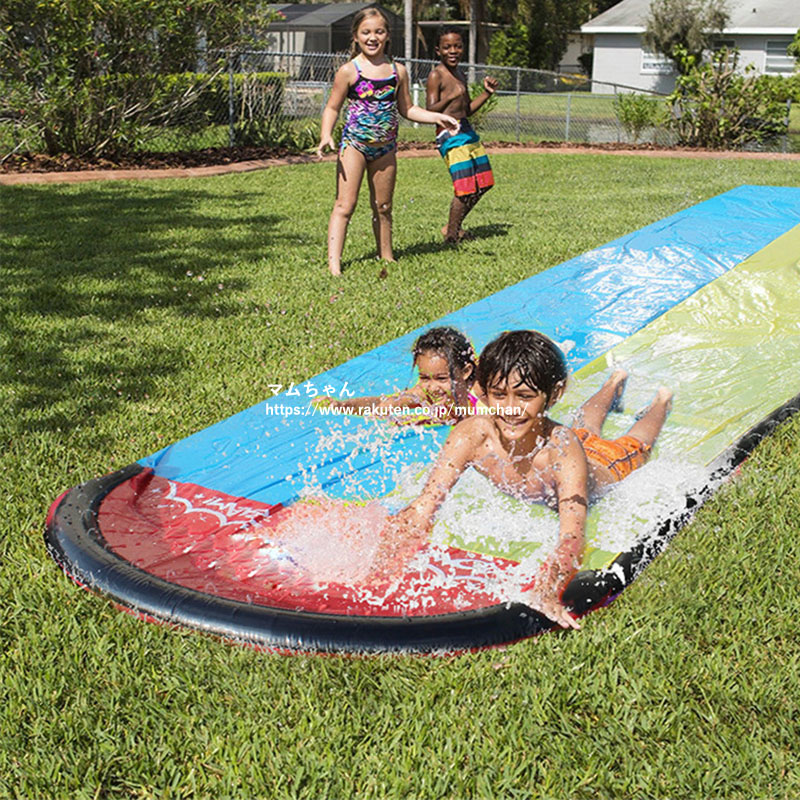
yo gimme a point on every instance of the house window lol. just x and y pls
(778, 60)
(656, 64)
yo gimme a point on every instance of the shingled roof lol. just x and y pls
(765, 17)
(315, 15)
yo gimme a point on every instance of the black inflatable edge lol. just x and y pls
(75, 542)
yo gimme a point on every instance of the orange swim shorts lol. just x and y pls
(622, 456)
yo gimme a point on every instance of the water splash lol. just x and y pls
(633, 508)
(484, 543)
(331, 541)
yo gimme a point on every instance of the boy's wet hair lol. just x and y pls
(540, 363)
(450, 344)
(370, 11)
(443, 30)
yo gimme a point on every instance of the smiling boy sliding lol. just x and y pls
(528, 455)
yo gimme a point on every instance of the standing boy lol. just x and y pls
(463, 153)
(528, 455)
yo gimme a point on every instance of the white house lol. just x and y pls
(760, 29)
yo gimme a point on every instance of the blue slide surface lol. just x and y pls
(588, 305)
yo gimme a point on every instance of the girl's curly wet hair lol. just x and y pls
(450, 344)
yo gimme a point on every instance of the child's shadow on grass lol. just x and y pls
(477, 233)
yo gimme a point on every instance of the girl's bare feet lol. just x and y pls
(335, 269)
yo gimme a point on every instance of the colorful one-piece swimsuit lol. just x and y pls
(371, 122)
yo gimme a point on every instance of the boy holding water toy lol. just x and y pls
(466, 160)
(528, 455)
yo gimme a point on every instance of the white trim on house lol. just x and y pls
(731, 31)
(762, 31)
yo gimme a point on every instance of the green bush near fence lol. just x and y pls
(280, 130)
(84, 75)
(715, 105)
(637, 112)
(254, 94)
(121, 113)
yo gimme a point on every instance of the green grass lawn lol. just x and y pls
(135, 313)
(554, 104)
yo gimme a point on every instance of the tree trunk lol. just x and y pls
(474, 19)
(408, 13)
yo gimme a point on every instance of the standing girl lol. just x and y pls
(377, 89)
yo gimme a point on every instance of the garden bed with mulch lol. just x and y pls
(216, 156)
(211, 156)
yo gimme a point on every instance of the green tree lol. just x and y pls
(509, 48)
(682, 30)
(794, 47)
(537, 31)
(718, 106)
(89, 75)
(603, 5)
(504, 12)
(549, 23)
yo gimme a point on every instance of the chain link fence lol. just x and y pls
(266, 98)
(529, 105)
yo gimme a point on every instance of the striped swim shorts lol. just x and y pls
(622, 456)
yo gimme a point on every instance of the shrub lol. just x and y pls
(86, 72)
(95, 121)
(586, 60)
(636, 112)
(786, 87)
(102, 115)
(255, 94)
(716, 106)
(278, 130)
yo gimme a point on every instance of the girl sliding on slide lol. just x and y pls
(445, 360)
